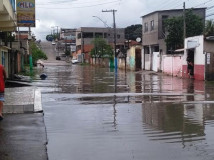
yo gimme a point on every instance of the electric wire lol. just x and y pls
(83, 6)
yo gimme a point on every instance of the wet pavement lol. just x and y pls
(23, 137)
(143, 115)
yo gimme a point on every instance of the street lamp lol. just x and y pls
(105, 24)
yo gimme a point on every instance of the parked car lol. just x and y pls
(74, 61)
(53, 43)
(58, 58)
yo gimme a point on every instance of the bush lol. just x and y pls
(37, 53)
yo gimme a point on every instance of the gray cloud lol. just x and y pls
(78, 13)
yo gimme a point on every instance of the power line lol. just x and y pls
(210, 7)
(63, 2)
(203, 3)
(84, 6)
(210, 15)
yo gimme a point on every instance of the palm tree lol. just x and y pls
(209, 28)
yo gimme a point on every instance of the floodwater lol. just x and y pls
(91, 113)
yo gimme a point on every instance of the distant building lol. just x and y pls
(67, 40)
(153, 35)
(85, 36)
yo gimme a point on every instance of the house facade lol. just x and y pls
(154, 33)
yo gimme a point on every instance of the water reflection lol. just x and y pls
(177, 123)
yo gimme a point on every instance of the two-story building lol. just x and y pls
(154, 33)
(85, 36)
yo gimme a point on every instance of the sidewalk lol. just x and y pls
(22, 100)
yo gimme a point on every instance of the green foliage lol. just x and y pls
(174, 26)
(209, 28)
(175, 29)
(101, 49)
(37, 53)
(133, 32)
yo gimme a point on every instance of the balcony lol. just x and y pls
(7, 16)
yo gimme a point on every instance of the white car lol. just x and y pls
(53, 43)
(73, 61)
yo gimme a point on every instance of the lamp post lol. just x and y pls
(105, 24)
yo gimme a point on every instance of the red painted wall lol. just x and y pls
(199, 71)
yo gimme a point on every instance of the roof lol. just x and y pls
(172, 10)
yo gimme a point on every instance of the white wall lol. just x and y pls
(199, 57)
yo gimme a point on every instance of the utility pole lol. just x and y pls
(115, 41)
(57, 32)
(184, 15)
(30, 55)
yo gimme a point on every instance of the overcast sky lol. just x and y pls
(79, 13)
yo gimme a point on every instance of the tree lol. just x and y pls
(174, 26)
(101, 49)
(209, 28)
(133, 32)
(37, 53)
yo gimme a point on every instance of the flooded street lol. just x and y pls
(91, 113)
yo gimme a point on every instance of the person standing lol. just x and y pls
(3, 77)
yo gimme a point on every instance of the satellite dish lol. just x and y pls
(138, 39)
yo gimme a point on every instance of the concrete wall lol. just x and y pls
(172, 65)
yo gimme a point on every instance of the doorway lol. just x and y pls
(190, 62)
(138, 59)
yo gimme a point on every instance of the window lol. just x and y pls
(105, 35)
(146, 27)
(88, 34)
(118, 36)
(99, 35)
(79, 35)
(152, 25)
(164, 18)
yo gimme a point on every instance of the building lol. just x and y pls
(67, 41)
(7, 15)
(85, 36)
(7, 24)
(153, 35)
(200, 51)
